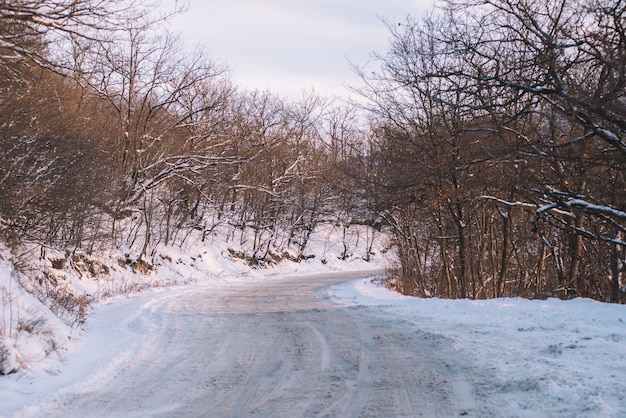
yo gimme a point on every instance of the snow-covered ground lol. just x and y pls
(518, 357)
(530, 358)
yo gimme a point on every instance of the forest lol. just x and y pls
(490, 145)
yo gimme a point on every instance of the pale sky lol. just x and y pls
(287, 46)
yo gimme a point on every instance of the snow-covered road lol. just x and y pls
(273, 349)
(331, 345)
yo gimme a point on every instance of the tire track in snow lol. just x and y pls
(273, 349)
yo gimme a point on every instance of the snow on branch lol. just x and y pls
(507, 203)
(554, 207)
(603, 209)
(173, 166)
(539, 209)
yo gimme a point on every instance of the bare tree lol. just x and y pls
(167, 103)
(34, 29)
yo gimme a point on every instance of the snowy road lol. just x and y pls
(271, 349)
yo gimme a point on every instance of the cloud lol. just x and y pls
(307, 40)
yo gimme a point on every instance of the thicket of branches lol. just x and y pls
(500, 148)
(495, 149)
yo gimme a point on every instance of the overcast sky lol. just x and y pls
(288, 46)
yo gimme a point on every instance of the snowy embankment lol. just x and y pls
(528, 358)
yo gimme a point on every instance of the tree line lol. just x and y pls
(491, 146)
(500, 148)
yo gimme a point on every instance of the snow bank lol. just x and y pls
(30, 335)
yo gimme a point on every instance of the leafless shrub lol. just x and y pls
(31, 326)
(68, 306)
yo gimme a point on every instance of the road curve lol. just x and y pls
(274, 349)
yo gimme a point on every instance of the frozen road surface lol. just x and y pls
(279, 348)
